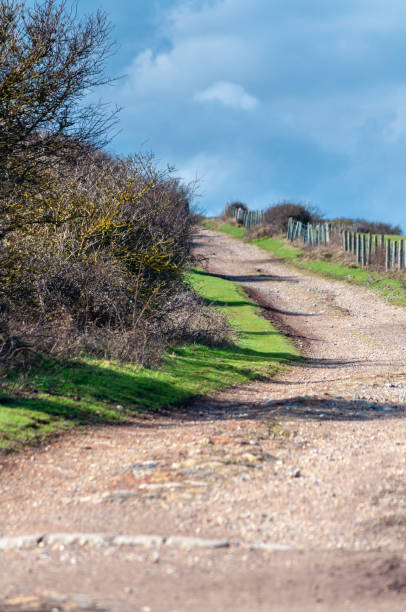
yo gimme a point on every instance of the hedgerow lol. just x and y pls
(93, 248)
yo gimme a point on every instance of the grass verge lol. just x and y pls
(217, 225)
(59, 396)
(390, 285)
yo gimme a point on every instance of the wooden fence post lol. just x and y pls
(400, 255)
(361, 254)
(387, 255)
(394, 253)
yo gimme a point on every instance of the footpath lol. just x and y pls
(279, 495)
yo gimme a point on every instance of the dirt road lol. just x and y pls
(281, 495)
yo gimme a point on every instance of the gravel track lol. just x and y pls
(302, 477)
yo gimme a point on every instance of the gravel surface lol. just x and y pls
(279, 495)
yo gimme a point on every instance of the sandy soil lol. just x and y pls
(294, 488)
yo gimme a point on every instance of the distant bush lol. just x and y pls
(230, 209)
(373, 227)
(277, 217)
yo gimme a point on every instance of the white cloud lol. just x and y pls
(326, 82)
(229, 94)
(210, 171)
(189, 66)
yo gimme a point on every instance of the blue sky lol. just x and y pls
(267, 100)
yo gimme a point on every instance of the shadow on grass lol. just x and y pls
(236, 355)
(64, 408)
(77, 393)
(272, 309)
(249, 277)
(108, 385)
(265, 307)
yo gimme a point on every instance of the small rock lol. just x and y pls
(20, 542)
(150, 465)
(250, 458)
(268, 457)
(118, 496)
(192, 542)
(139, 540)
(270, 546)
(155, 557)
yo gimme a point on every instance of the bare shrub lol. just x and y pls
(277, 217)
(365, 226)
(49, 60)
(262, 230)
(93, 248)
(107, 281)
(190, 320)
(233, 207)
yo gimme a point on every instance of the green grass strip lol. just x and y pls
(232, 230)
(59, 395)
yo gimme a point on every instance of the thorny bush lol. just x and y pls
(107, 278)
(93, 249)
(277, 217)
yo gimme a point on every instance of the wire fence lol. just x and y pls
(366, 249)
(312, 234)
(247, 218)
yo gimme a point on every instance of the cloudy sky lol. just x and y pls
(268, 100)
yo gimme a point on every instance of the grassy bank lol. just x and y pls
(217, 225)
(390, 285)
(59, 395)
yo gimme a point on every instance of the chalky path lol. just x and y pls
(279, 495)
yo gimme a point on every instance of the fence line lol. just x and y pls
(361, 245)
(364, 247)
(248, 218)
(312, 234)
